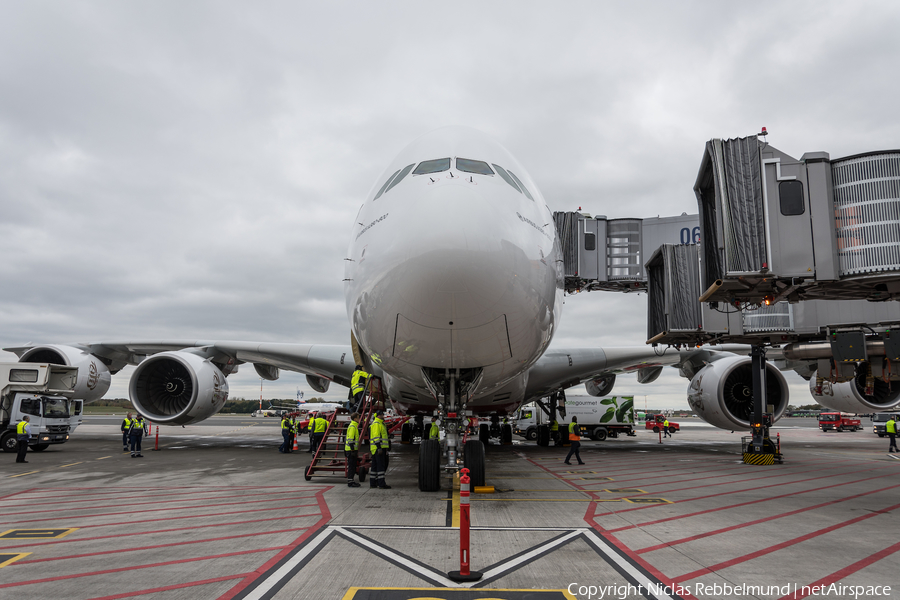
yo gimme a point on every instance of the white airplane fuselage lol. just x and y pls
(454, 269)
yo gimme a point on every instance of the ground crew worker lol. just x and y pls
(135, 435)
(351, 449)
(311, 428)
(574, 439)
(126, 425)
(357, 386)
(435, 432)
(23, 434)
(378, 445)
(321, 424)
(891, 428)
(554, 432)
(666, 429)
(293, 434)
(285, 446)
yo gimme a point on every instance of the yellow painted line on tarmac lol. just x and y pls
(22, 474)
(454, 503)
(69, 465)
(7, 558)
(102, 457)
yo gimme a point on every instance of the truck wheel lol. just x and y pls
(600, 434)
(4, 445)
(656, 430)
(840, 429)
(531, 434)
(474, 461)
(39, 447)
(9, 443)
(672, 430)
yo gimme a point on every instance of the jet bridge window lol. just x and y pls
(507, 178)
(479, 167)
(521, 185)
(432, 166)
(791, 195)
(399, 177)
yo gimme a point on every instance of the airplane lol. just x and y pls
(453, 291)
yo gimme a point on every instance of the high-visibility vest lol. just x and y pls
(321, 425)
(286, 424)
(666, 423)
(891, 426)
(378, 436)
(20, 427)
(435, 432)
(574, 432)
(352, 442)
(554, 426)
(358, 381)
(137, 426)
(126, 424)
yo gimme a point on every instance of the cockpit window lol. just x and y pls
(521, 185)
(479, 167)
(399, 177)
(432, 166)
(384, 187)
(507, 178)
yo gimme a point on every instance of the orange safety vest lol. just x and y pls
(573, 437)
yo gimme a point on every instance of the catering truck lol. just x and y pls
(598, 418)
(41, 391)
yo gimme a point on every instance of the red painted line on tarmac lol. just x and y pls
(141, 548)
(171, 587)
(758, 521)
(134, 567)
(115, 493)
(849, 570)
(781, 546)
(730, 506)
(17, 493)
(191, 499)
(261, 571)
(119, 535)
(131, 512)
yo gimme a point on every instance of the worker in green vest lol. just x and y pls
(379, 442)
(319, 426)
(357, 386)
(126, 425)
(351, 449)
(554, 432)
(136, 434)
(23, 434)
(891, 428)
(435, 432)
(666, 429)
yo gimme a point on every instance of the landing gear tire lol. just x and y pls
(474, 462)
(406, 433)
(484, 433)
(39, 447)
(430, 465)
(506, 435)
(543, 435)
(600, 434)
(10, 444)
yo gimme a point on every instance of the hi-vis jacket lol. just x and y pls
(351, 444)
(574, 432)
(321, 425)
(378, 436)
(358, 381)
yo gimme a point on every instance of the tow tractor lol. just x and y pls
(655, 422)
(40, 391)
(838, 422)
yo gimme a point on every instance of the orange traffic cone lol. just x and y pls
(295, 443)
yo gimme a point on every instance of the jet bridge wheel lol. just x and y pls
(474, 461)
(430, 465)
(10, 444)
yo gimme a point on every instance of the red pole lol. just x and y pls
(157, 438)
(660, 436)
(464, 574)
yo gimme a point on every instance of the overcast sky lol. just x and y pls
(192, 169)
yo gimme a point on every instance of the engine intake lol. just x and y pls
(851, 396)
(177, 388)
(721, 393)
(93, 375)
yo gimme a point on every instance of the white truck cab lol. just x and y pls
(40, 391)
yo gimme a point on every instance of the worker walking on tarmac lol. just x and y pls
(126, 425)
(575, 440)
(357, 386)
(135, 435)
(891, 428)
(285, 446)
(434, 432)
(321, 424)
(666, 429)
(379, 442)
(351, 449)
(23, 434)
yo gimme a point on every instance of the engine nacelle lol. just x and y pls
(601, 386)
(177, 388)
(850, 396)
(93, 376)
(721, 393)
(319, 384)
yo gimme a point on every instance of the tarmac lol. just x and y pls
(219, 513)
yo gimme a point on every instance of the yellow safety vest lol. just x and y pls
(321, 425)
(20, 427)
(435, 432)
(352, 442)
(137, 426)
(573, 432)
(891, 426)
(554, 426)
(666, 423)
(126, 424)
(378, 436)
(286, 424)
(358, 381)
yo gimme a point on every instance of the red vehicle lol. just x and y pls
(838, 422)
(655, 422)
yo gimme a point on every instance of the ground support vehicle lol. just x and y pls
(657, 422)
(838, 422)
(40, 391)
(879, 421)
(598, 418)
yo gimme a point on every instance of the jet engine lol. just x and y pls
(601, 386)
(177, 388)
(850, 396)
(721, 393)
(93, 375)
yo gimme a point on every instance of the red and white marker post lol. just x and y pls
(464, 574)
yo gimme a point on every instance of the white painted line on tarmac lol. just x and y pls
(512, 565)
(285, 570)
(625, 566)
(400, 560)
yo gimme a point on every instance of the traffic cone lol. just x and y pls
(295, 443)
